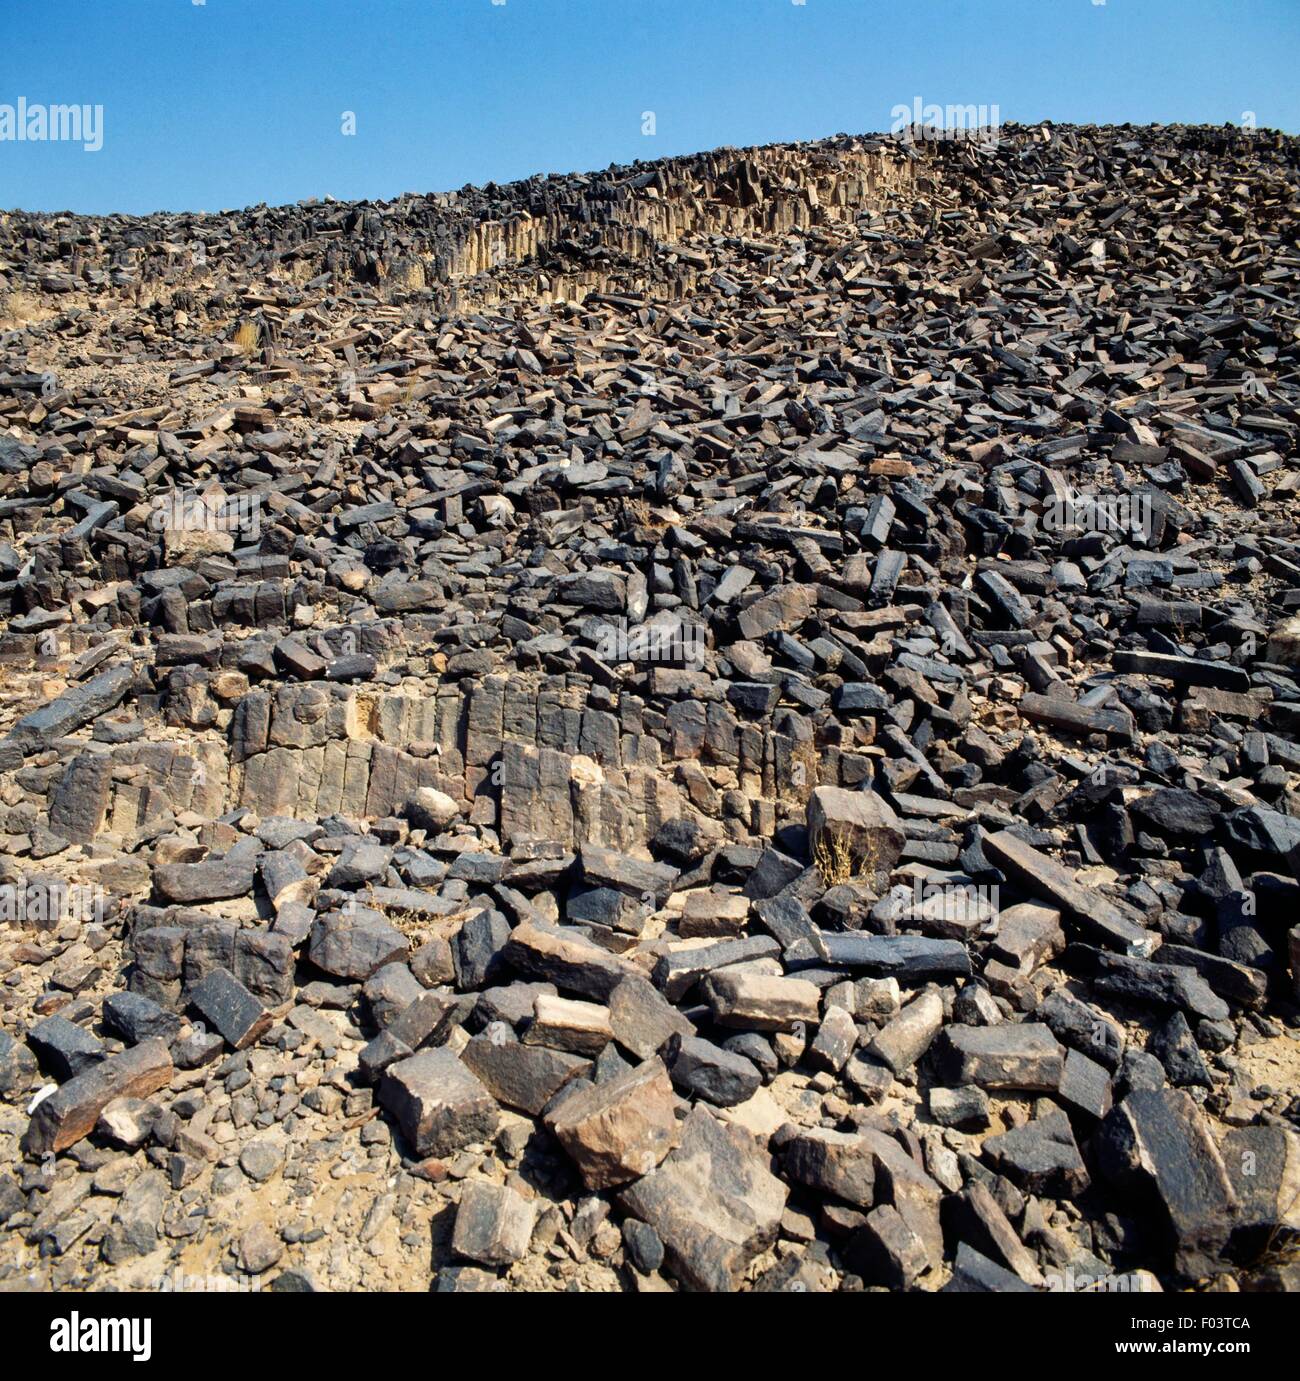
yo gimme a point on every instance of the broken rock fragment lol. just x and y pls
(438, 1102)
(1156, 1144)
(582, 1028)
(841, 1164)
(714, 1203)
(859, 821)
(521, 1076)
(757, 1002)
(1025, 1058)
(904, 1039)
(223, 1002)
(719, 1076)
(618, 1130)
(354, 948)
(69, 711)
(494, 1224)
(70, 1113)
(1042, 1157)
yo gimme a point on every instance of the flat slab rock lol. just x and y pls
(714, 1203)
(73, 708)
(70, 1113)
(1025, 1058)
(1263, 1163)
(642, 1019)
(521, 1076)
(222, 1000)
(564, 956)
(759, 1002)
(1157, 1144)
(212, 880)
(909, 958)
(1046, 878)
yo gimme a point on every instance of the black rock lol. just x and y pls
(223, 1002)
(644, 1249)
(136, 1018)
(703, 1070)
(1173, 1044)
(63, 1048)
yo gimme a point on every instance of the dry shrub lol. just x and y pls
(833, 857)
(20, 309)
(247, 338)
(410, 923)
(636, 513)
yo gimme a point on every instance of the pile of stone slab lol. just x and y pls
(724, 724)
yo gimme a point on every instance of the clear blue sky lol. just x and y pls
(233, 102)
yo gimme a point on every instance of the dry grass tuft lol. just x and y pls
(833, 858)
(18, 309)
(410, 923)
(637, 514)
(247, 338)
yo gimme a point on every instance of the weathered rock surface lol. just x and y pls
(70, 1113)
(713, 1202)
(621, 1129)
(439, 1104)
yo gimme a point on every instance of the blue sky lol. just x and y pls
(233, 102)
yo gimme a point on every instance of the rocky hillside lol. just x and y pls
(723, 724)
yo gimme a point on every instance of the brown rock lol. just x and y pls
(619, 1130)
(66, 1116)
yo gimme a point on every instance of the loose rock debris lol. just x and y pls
(722, 724)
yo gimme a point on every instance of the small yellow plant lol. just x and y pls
(410, 923)
(247, 338)
(19, 309)
(833, 857)
(636, 513)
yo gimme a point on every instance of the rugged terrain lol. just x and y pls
(728, 723)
